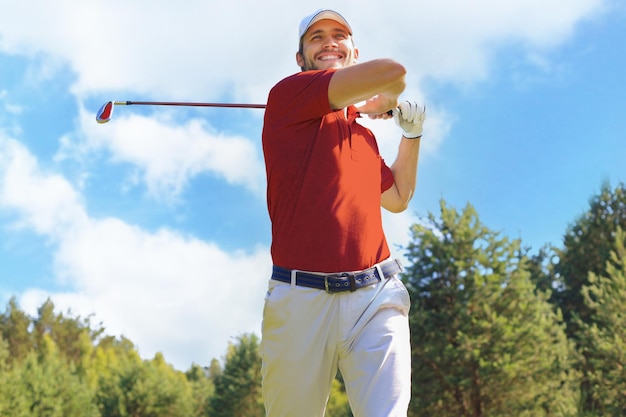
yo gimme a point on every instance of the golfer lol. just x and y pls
(334, 300)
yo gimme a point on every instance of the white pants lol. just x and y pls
(309, 334)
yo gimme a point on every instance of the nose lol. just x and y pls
(329, 42)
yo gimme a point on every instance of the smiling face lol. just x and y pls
(327, 44)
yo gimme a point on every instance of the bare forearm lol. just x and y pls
(380, 77)
(404, 170)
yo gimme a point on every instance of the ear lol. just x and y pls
(356, 54)
(299, 59)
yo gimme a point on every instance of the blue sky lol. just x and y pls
(156, 222)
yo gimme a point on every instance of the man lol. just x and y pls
(334, 300)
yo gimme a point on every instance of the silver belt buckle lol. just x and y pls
(351, 281)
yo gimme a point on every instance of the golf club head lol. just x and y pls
(105, 112)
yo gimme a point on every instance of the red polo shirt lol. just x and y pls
(324, 180)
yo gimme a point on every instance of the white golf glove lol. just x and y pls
(410, 116)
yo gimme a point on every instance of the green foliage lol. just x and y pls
(14, 325)
(145, 388)
(4, 353)
(57, 365)
(238, 387)
(74, 336)
(338, 405)
(202, 389)
(541, 269)
(13, 395)
(51, 388)
(587, 247)
(485, 343)
(603, 340)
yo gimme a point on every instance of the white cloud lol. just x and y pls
(216, 49)
(454, 41)
(167, 155)
(164, 290)
(46, 202)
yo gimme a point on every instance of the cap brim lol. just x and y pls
(321, 15)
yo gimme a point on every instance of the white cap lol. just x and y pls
(320, 14)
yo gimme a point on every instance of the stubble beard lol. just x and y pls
(310, 65)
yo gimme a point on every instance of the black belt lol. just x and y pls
(342, 281)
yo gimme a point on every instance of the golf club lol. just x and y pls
(106, 111)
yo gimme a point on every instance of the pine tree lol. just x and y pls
(14, 329)
(238, 387)
(587, 246)
(604, 337)
(51, 387)
(12, 393)
(202, 389)
(485, 342)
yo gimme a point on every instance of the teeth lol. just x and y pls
(327, 57)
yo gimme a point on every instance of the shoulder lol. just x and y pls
(303, 80)
(304, 93)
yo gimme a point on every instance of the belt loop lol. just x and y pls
(294, 273)
(397, 261)
(381, 276)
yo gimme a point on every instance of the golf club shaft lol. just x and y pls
(106, 111)
(188, 104)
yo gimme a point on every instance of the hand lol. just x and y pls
(410, 116)
(377, 105)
